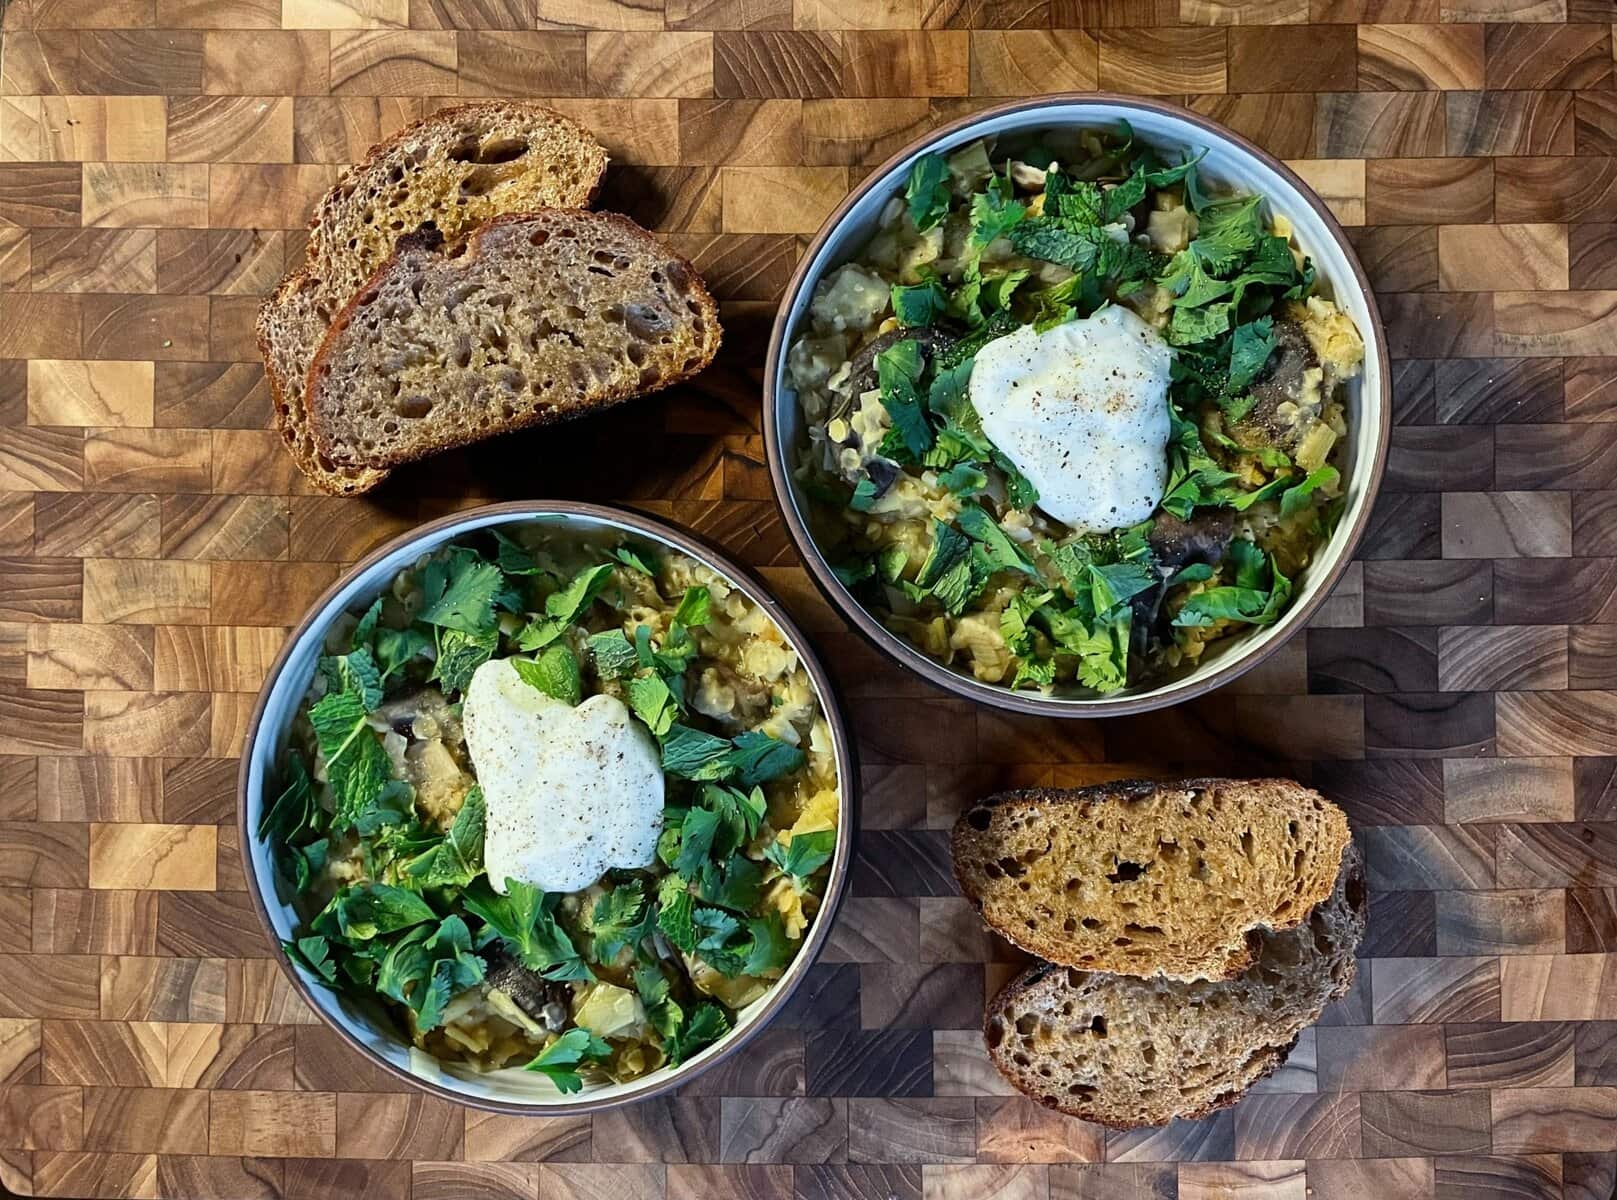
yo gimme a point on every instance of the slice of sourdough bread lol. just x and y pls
(451, 171)
(1146, 878)
(1130, 1052)
(533, 318)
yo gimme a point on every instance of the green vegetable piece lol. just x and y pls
(918, 305)
(897, 369)
(1004, 554)
(695, 841)
(757, 758)
(555, 673)
(1250, 348)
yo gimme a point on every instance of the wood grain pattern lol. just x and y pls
(1458, 693)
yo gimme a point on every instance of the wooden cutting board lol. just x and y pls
(1458, 695)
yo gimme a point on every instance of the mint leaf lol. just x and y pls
(691, 753)
(357, 768)
(568, 604)
(555, 673)
(652, 702)
(456, 860)
(695, 607)
(613, 654)
(365, 910)
(675, 909)
(1250, 348)
(460, 654)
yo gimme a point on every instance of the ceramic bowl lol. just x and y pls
(1231, 164)
(367, 1029)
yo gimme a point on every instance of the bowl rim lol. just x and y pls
(831, 705)
(1193, 686)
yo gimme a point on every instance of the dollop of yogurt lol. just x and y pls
(1082, 410)
(570, 792)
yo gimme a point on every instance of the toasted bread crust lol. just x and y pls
(1127, 1052)
(293, 319)
(1073, 901)
(330, 403)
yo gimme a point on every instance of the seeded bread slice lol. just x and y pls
(531, 319)
(452, 170)
(1147, 878)
(1129, 1052)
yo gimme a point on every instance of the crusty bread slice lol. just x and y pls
(1128, 1052)
(1146, 878)
(533, 318)
(452, 171)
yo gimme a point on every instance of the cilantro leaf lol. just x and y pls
(614, 920)
(524, 921)
(314, 953)
(555, 673)
(467, 602)
(771, 949)
(714, 928)
(993, 215)
(456, 860)
(1004, 554)
(663, 1013)
(805, 854)
(918, 305)
(633, 559)
(427, 967)
(927, 192)
(695, 841)
(706, 1026)
(757, 758)
(560, 1060)
(1296, 498)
